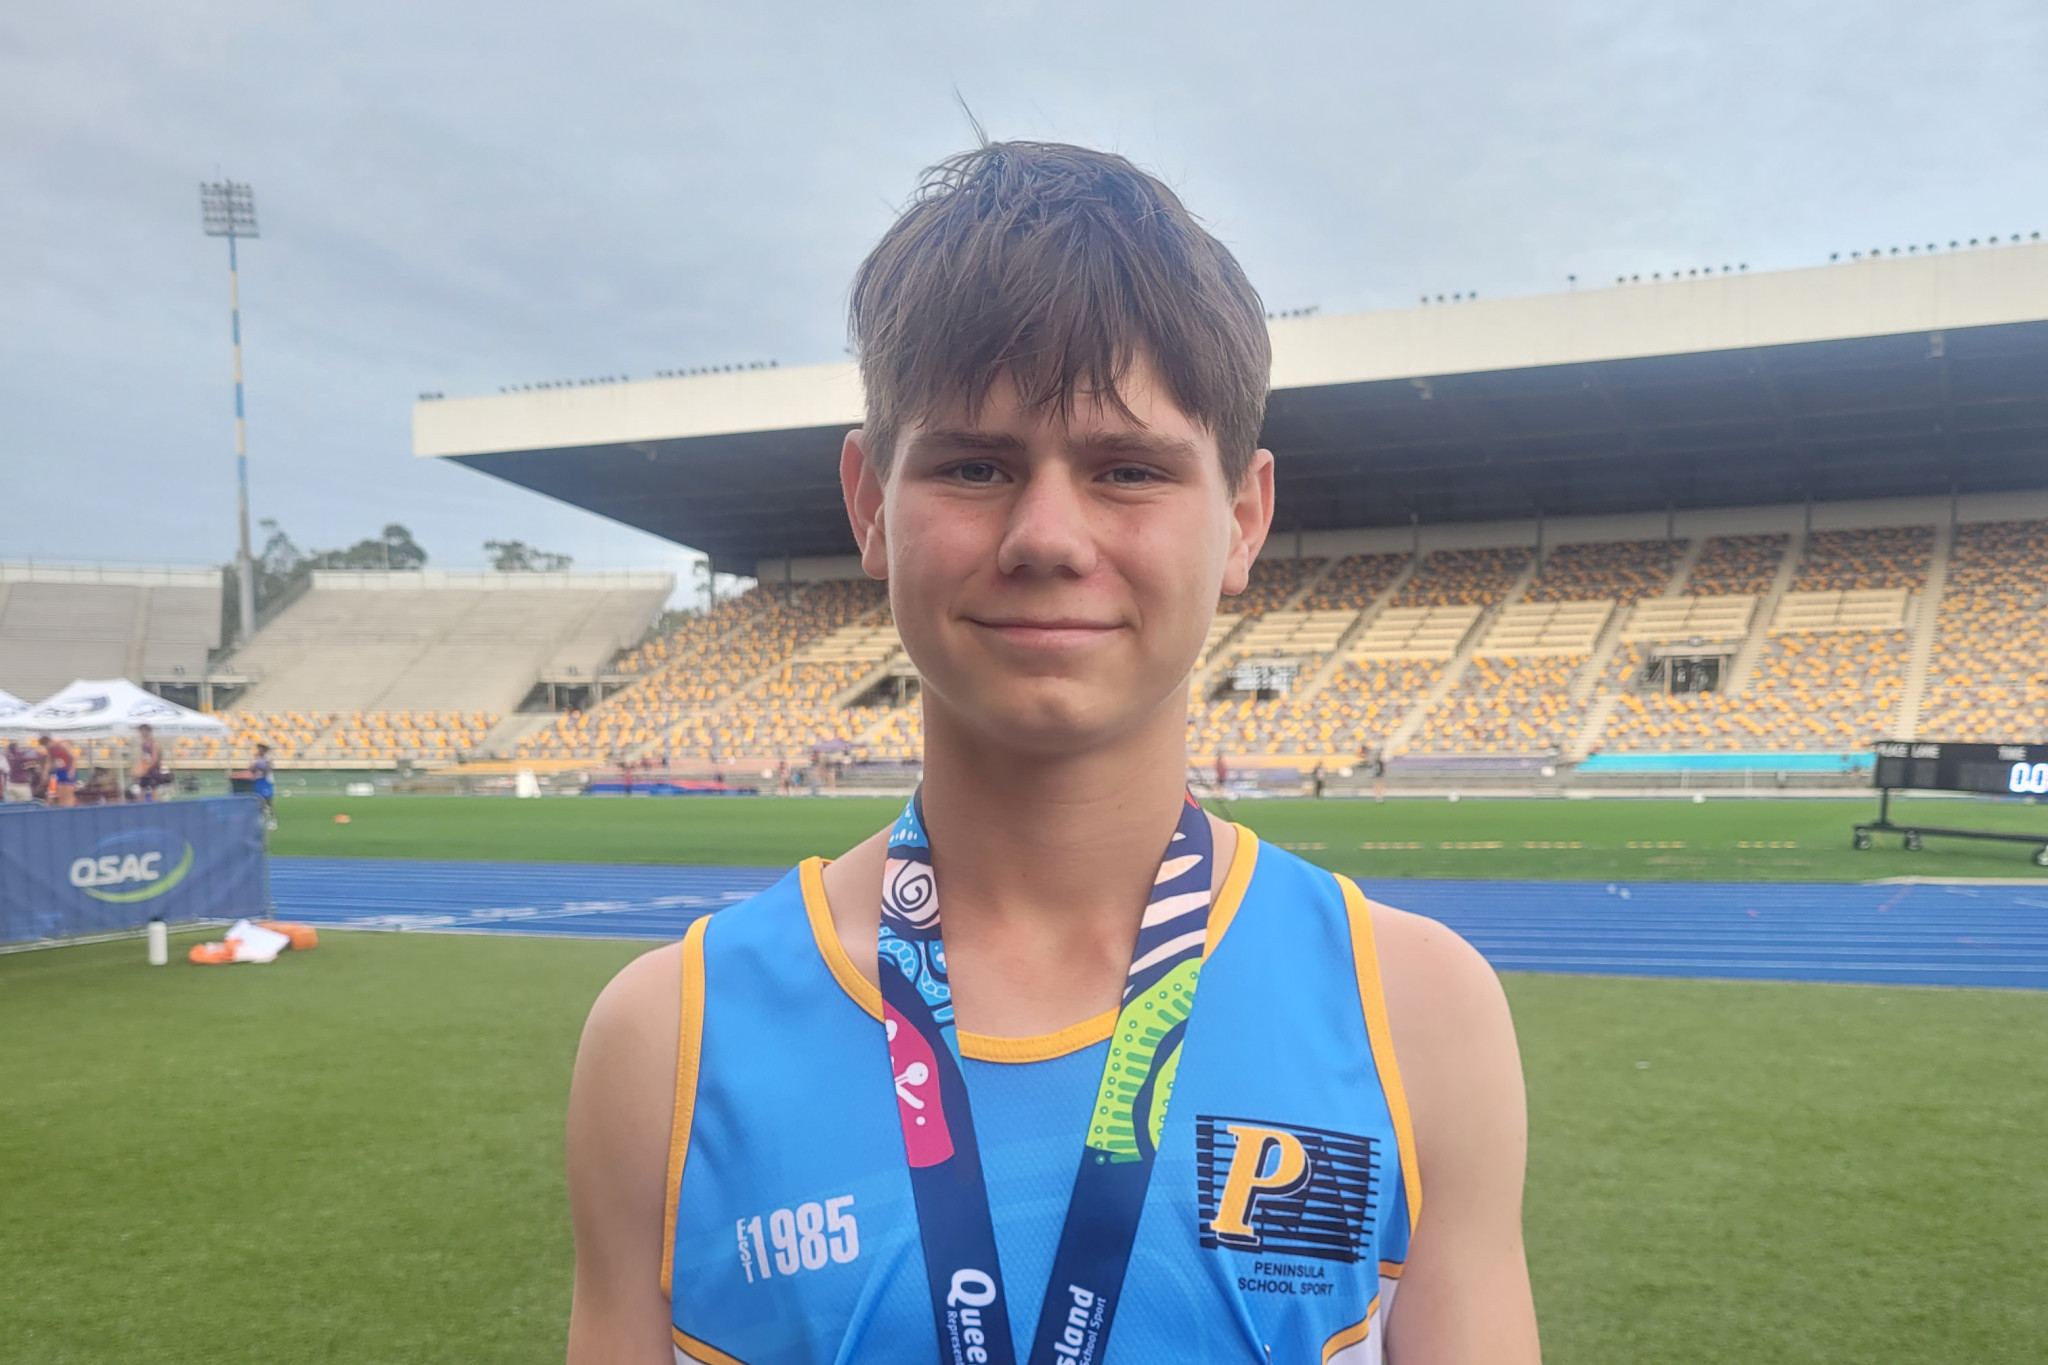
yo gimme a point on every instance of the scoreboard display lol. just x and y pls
(1987, 769)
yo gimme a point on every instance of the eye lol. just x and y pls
(976, 472)
(1132, 476)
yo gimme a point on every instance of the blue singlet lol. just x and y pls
(1278, 1214)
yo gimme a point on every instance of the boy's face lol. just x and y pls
(1054, 582)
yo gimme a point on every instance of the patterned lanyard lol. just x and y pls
(969, 1308)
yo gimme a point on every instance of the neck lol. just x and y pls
(1070, 840)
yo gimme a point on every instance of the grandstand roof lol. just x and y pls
(1889, 377)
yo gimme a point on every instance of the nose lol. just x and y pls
(1048, 530)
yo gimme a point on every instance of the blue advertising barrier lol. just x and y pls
(102, 869)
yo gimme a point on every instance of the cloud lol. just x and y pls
(461, 196)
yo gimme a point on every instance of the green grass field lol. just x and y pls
(1722, 840)
(354, 1156)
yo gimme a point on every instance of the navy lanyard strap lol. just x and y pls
(970, 1310)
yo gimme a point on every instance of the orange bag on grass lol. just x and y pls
(303, 936)
(254, 941)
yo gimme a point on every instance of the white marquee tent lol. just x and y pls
(10, 704)
(105, 709)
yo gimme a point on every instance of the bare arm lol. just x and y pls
(1464, 1296)
(620, 1107)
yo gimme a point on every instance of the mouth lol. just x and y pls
(1051, 633)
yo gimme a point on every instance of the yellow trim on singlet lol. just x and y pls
(1352, 1335)
(865, 993)
(982, 1047)
(701, 1351)
(689, 1046)
(1365, 958)
(1043, 1047)
(1243, 862)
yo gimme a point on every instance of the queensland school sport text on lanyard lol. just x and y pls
(970, 1310)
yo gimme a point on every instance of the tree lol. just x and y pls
(392, 548)
(282, 569)
(279, 557)
(516, 556)
(279, 564)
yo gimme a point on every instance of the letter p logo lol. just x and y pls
(1267, 1161)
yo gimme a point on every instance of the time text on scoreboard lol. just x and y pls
(1988, 769)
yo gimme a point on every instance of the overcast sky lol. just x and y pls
(460, 196)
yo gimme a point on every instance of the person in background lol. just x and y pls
(20, 776)
(60, 771)
(265, 789)
(149, 764)
(1318, 777)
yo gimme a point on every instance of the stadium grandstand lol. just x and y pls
(360, 670)
(427, 666)
(61, 622)
(1768, 514)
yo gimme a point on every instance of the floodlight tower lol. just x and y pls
(228, 209)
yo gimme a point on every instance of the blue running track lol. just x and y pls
(572, 900)
(1923, 935)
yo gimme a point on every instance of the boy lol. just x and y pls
(265, 790)
(60, 772)
(19, 777)
(149, 764)
(1114, 1104)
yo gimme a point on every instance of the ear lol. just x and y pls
(1251, 517)
(860, 483)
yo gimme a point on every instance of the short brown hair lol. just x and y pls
(1055, 265)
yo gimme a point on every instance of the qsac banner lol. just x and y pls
(99, 869)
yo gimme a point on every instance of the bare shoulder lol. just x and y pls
(1465, 1294)
(642, 1005)
(621, 1103)
(1440, 991)
(1454, 1038)
(623, 1090)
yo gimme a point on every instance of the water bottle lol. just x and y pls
(159, 943)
